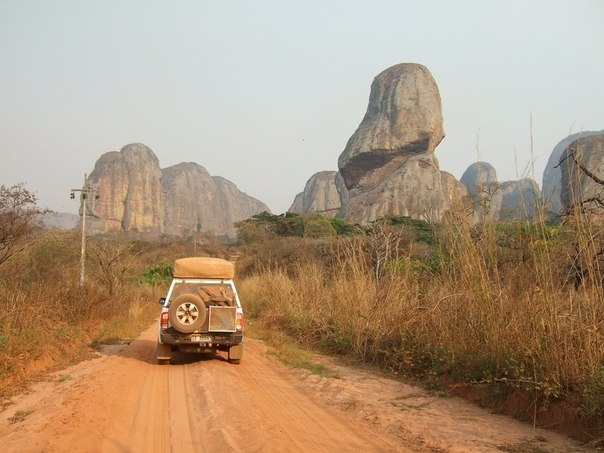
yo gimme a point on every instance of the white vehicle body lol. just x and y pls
(201, 312)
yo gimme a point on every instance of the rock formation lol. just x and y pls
(519, 200)
(550, 188)
(388, 165)
(414, 190)
(324, 193)
(582, 174)
(129, 191)
(455, 194)
(403, 120)
(480, 180)
(389, 168)
(135, 194)
(493, 200)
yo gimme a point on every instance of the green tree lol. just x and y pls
(19, 218)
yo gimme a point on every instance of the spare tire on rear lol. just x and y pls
(187, 313)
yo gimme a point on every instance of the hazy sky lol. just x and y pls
(267, 93)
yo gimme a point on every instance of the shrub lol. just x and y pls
(158, 274)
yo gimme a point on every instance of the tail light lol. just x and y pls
(165, 317)
(239, 322)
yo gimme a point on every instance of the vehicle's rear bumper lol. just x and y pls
(208, 340)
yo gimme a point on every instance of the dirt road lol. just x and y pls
(122, 401)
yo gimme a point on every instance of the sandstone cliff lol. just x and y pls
(129, 182)
(135, 194)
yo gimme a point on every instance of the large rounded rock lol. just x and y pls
(324, 193)
(477, 176)
(552, 177)
(129, 191)
(480, 179)
(197, 201)
(582, 174)
(403, 119)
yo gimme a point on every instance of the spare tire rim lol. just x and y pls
(187, 313)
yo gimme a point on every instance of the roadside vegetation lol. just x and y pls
(508, 314)
(47, 318)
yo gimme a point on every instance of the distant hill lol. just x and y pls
(61, 220)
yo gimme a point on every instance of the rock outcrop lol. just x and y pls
(135, 194)
(480, 180)
(455, 194)
(551, 184)
(414, 190)
(129, 191)
(493, 200)
(403, 120)
(324, 193)
(519, 200)
(582, 174)
(389, 168)
(388, 165)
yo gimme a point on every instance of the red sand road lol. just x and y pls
(122, 401)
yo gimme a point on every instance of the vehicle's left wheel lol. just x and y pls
(163, 353)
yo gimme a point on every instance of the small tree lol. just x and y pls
(19, 217)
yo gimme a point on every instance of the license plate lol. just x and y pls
(201, 339)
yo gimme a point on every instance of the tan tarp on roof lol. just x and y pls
(203, 267)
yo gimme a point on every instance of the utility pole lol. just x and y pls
(85, 192)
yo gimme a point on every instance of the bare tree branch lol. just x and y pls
(572, 154)
(19, 216)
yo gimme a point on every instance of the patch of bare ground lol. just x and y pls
(556, 415)
(437, 422)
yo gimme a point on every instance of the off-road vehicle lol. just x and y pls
(201, 312)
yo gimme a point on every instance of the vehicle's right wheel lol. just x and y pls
(236, 353)
(187, 313)
(178, 357)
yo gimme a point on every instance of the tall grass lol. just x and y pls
(518, 307)
(47, 319)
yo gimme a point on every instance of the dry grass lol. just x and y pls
(515, 307)
(48, 320)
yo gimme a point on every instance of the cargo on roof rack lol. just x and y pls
(203, 267)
